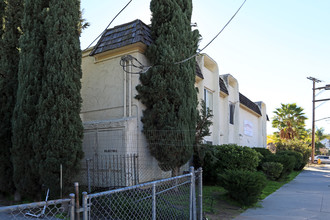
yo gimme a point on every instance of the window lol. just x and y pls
(208, 98)
(231, 113)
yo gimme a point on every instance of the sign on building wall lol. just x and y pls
(248, 128)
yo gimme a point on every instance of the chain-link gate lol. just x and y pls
(54, 209)
(172, 198)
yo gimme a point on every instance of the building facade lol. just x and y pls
(111, 114)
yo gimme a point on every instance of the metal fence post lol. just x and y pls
(88, 176)
(200, 193)
(76, 186)
(192, 195)
(154, 201)
(84, 206)
(72, 206)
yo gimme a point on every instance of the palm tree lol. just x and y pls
(319, 134)
(290, 121)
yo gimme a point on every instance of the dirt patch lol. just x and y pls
(221, 208)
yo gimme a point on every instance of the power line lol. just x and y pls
(322, 119)
(319, 93)
(124, 62)
(110, 23)
(320, 105)
(185, 60)
(146, 68)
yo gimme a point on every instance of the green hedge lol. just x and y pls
(264, 152)
(299, 158)
(220, 158)
(287, 161)
(272, 170)
(243, 186)
(297, 146)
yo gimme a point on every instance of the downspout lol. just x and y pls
(125, 69)
(130, 90)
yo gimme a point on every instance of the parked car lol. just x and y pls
(323, 159)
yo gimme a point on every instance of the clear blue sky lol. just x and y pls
(270, 47)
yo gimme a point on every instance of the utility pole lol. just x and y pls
(313, 117)
(327, 87)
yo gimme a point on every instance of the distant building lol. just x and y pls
(112, 116)
(236, 119)
(326, 143)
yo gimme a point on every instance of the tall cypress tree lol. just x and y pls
(8, 87)
(2, 15)
(47, 129)
(3, 147)
(167, 89)
(58, 128)
(30, 77)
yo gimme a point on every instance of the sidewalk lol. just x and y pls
(306, 197)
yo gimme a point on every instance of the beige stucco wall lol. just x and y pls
(246, 137)
(112, 116)
(210, 82)
(222, 131)
(233, 98)
(224, 119)
(111, 113)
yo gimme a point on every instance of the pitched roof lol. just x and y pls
(223, 87)
(127, 34)
(123, 35)
(248, 103)
(199, 71)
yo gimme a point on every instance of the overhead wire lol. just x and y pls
(322, 119)
(319, 93)
(196, 54)
(110, 23)
(146, 68)
(124, 62)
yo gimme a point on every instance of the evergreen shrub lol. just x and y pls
(287, 161)
(299, 158)
(264, 152)
(220, 158)
(243, 186)
(210, 175)
(272, 170)
(297, 146)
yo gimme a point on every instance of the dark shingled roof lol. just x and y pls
(199, 71)
(127, 34)
(223, 87)
(248, 103)
(123, 35)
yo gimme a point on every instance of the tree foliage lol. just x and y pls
(11, 11)
(203, 123)
(30, 75)
(319, 134)
(58, 138)
(47, 129)
(167, 89)
(290, 121)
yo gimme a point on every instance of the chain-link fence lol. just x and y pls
(54, 209)
(172, 198)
